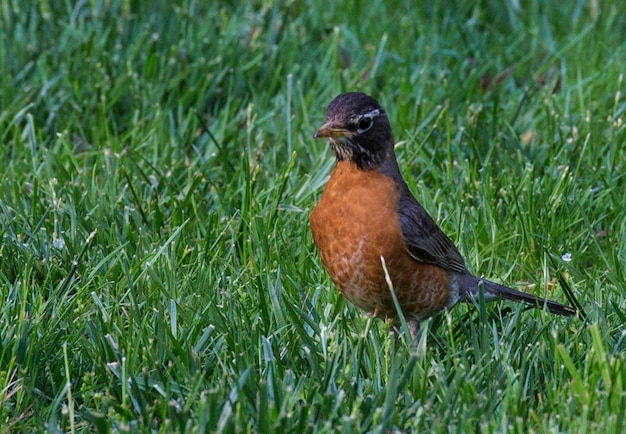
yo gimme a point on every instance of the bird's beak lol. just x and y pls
(330, 131)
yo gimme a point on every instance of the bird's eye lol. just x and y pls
(365, 124)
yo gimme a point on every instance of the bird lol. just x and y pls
(373, 236)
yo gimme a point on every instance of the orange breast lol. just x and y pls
(354, 224)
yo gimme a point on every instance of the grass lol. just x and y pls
(157, 273)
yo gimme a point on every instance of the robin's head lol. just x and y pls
(358, 130)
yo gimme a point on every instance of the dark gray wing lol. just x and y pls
(425, 241)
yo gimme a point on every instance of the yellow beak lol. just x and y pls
(327, 130)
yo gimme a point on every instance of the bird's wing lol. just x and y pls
(425, 241)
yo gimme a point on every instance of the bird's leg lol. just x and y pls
(395, 329)
(414, 328)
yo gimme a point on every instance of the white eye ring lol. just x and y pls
(366, 121)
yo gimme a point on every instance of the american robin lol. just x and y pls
(367, 221)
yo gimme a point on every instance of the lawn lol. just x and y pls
(157, 272)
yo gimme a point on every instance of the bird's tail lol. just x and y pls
(494, 291)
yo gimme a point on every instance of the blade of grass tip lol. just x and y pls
(391, 392)
(567, 289)
(108, 261)
(123, 381)
(361, 343)
(578, 385)
(204, 338)
(306, 300)
(482, 304)
(162, 249)
(233, 397)
(395, 384)
(483, 332)
(518, 109)
(205, 128)
(68, 389)
(158, 215)
(283, 186)
(601, 358)
(379, 55)
(98, 420)
(134, 156)
(618, 311)
(136, 198)
(275, 290)
(299, 319)
(101, 308)
(77, 261)
(288, 112)
(173, 318)
(424, 331)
